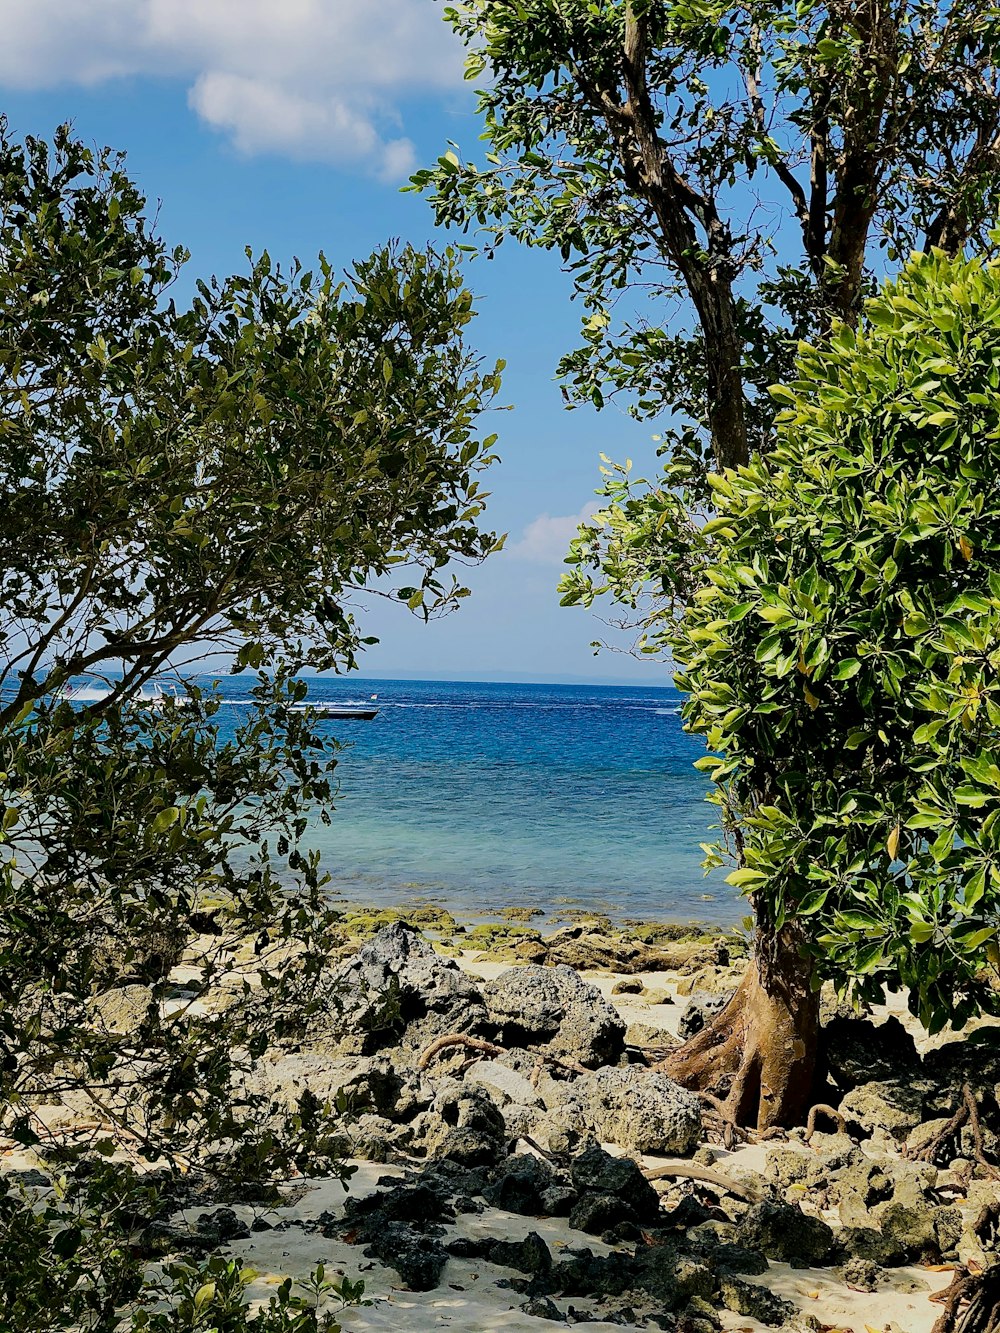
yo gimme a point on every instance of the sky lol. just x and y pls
(291, 126)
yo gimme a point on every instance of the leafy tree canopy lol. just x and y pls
(721, 180)
(840, 656)
(221, 477)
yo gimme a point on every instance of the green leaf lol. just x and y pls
(165, 819)
(844, 670)
(204, 1295)
(745, 878)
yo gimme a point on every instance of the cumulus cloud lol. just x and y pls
(546, 539)
(315, 79)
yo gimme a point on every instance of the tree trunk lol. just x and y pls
(759, 1054)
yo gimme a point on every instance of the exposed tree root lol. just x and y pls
(946, 1138)
(758, 1055)
(980, 1294)
(719, 1124)
(831, 1112)
(685, 1171)
(491, 1048)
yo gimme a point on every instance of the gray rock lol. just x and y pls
(558, 1200)
(700, 1008)
(597, 1171)
(373, 1138)
(863, 1274)
(868, 1186)
(361, 1084)
(463, 1126)
(565, 1127)
(597, 1213)
(397, 992)
(530, 1255)
(504, 1085)
(647, 1036)
(521, 1186)
(544, 1308)
(521, 1121)
(974, 1060)
(922, 1230)
(419, 1260)
(641, 1111)
(143, 954)
(856, 1050)
(870, 1246)
(557, 1008)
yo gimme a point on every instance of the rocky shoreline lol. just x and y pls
(523, 1160)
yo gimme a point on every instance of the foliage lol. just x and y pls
(841, 655)
(217, 479)
(210, 1298)
(721, 180)
(78, 1258)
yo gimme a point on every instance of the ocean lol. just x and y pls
(483, 796)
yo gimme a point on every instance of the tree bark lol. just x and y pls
(759, 1054)
(705, 265)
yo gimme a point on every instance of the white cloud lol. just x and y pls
(317, 79)
(546, 539)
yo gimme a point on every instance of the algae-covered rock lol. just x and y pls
(507, 942)
(363, 923)
(556, 1008)
(755, 1301)
(605, 950)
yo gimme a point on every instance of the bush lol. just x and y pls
(841, 654)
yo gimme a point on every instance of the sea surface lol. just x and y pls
(484, 796)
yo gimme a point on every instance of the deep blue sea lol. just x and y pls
(482, 796)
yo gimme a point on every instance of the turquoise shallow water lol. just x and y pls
(482, 796)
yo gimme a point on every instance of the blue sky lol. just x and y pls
(291, 126)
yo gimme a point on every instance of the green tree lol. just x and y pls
(840, 658)
(720, 179)
(720, 182)
(174, 481)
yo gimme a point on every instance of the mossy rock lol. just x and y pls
(507, 942)
(365, 922)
